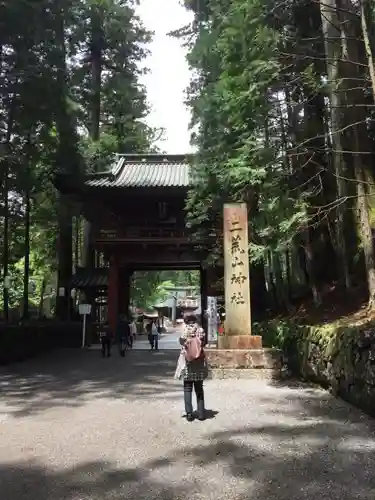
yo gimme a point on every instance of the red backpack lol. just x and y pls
(193, 349)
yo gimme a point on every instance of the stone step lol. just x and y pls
(246, 373)
(264, 358)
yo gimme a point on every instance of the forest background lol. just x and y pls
(283, 112)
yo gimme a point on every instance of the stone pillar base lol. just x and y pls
(245, 363)
(245, 374)
(240, 342)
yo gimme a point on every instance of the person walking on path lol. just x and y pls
(154, 337)
(149, 334)
(105, 340)
(122, 334)
(192, 368)
(132, 333)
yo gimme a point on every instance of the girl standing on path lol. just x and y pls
(192, 368)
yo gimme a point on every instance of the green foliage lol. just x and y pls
(50, 54)
(189, 279)
(263, 107)
(38, 274)
(275, 334)
(110, 31)
(146, 289)
(150, 288)
(235, 58)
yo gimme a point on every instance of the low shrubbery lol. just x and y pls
(20, 342)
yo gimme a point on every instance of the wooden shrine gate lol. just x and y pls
(136, 211)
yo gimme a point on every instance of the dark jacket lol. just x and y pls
(122, 330)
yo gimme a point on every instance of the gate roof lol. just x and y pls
(150, 170)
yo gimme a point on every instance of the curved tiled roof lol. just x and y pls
(150, 170)
(96, 277)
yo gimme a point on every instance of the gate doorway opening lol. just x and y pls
(166, 294)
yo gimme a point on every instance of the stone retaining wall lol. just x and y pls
(341, 359)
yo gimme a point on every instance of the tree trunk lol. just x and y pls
(288, 271)
(96, 69)
(366, 232)
(293, 166)
(366, 39)
(279, 282)
(76, 242)
(270, 278)
(26, 274)
(352, 50)
(332, 43)
(67, 157)
(8, 152)
(41, 300)
(258, 290)
(96, 48)
(6, 236)
(309, 254)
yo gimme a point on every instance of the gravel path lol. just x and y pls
(77, 427)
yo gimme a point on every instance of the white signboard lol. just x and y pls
(84, 310)
(212, 319)
(170, 302)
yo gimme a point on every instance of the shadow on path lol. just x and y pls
(255, 462)
(71, 377)
(265, 442)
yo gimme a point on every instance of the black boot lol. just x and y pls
(188, 388)
(198, 385)
(201, 410)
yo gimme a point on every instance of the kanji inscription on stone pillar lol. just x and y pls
(236, 270)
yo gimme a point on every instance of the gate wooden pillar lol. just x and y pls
(113, 292)
(124, 291)
(213, 279)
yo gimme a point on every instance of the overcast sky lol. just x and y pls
(169, 73)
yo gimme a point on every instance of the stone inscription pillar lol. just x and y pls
(237, 280)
